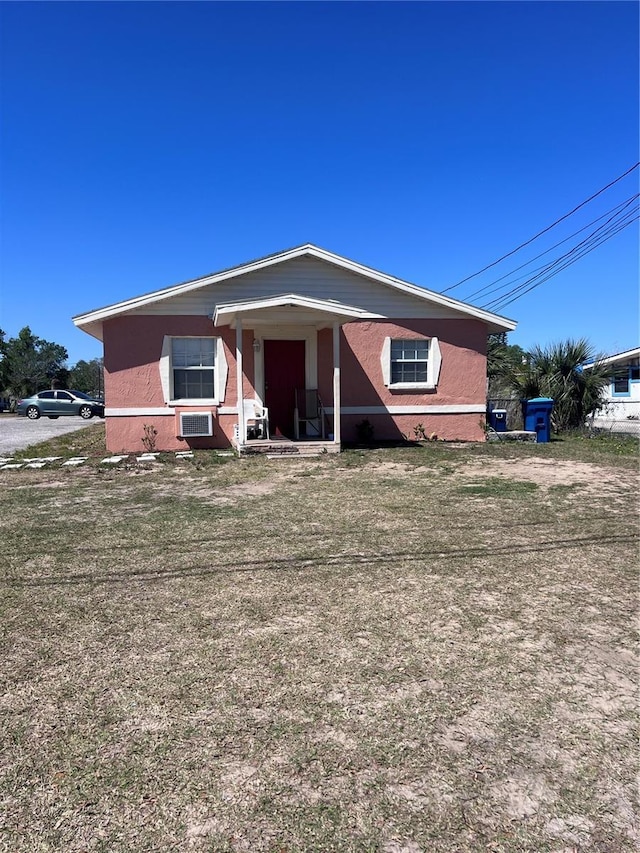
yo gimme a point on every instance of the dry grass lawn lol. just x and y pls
(428, 649)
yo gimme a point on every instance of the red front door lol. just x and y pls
(283, 372)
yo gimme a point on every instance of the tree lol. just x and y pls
(502, 359)
(30, 364)
(87, 376)
(556, 371)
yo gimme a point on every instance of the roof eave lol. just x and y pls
(116, 308)
(495, 322)
(612, 359)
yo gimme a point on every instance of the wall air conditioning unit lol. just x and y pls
(195, 424)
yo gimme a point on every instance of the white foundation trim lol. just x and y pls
(133, 412)
(457, 409)
(169, 410)
(461, 409)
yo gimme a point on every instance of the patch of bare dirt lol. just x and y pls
(396, 467)
(32, 483)
(523, 794)
(251, 490)
(402, 847)
(551, 472)
(543, 472)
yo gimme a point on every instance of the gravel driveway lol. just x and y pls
(16, 433)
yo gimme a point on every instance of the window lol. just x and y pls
(411, 364)
(621, 383)
(46, 395)
(193, 365)
(193, 371)
(62, 395)
(622, 379)
(409, 361)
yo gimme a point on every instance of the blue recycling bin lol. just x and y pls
(498, 419)
(536, 414)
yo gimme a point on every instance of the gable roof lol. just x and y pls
(88, 320)
(613, 359)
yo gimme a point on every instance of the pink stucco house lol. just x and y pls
(302, 346)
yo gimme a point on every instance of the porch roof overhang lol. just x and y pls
(288, 309)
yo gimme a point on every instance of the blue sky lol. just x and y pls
(148, 143)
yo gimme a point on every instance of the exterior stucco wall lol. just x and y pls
(132, 350)
(462, 379)
(457, 427)
(462, 376)
(125, 433)
(133, 347)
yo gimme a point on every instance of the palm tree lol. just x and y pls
(556, 371)
(502, 358)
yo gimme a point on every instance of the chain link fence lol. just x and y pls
(617, 416)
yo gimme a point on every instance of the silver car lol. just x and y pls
(56, 403)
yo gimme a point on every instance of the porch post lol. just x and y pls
(336, 383)
(242, 438)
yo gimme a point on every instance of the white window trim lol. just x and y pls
(221, 372)
(434, 363)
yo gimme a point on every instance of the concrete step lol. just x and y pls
(289, 448)
(512, 435)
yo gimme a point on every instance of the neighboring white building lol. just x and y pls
(621, 411)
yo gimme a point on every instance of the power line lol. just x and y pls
(563, 262)
(602, 230)
(544, 230)
(617, 208)
(503, 301)
(595, 239)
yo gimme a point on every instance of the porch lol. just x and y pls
(280, 374)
